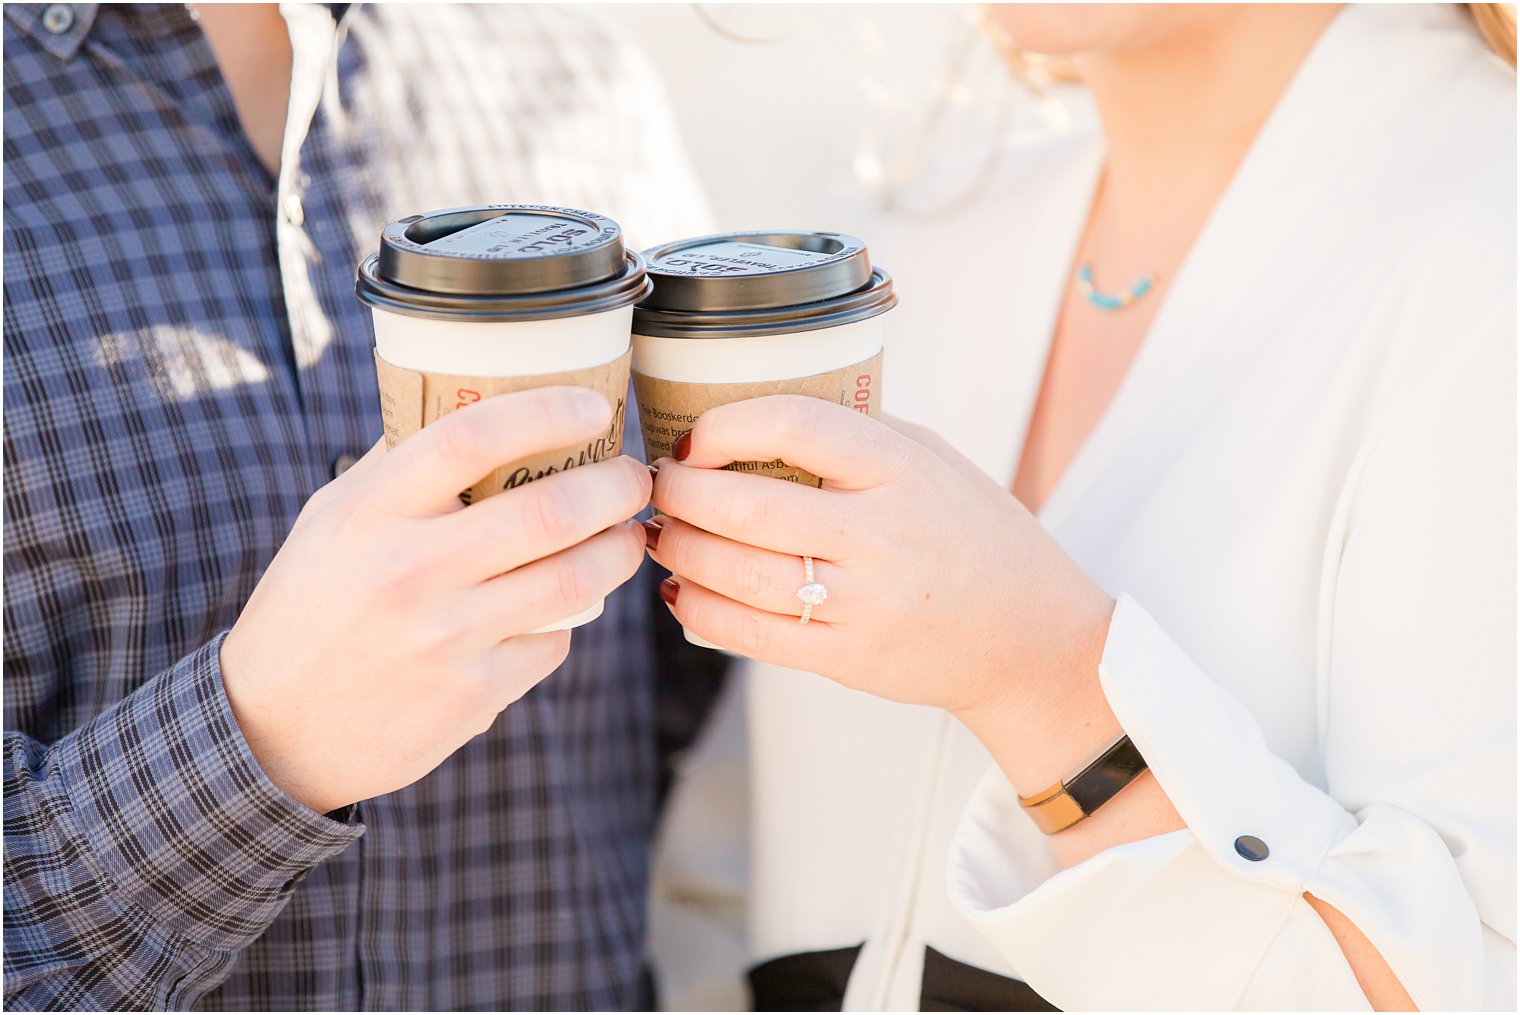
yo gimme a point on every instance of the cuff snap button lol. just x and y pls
(1252, 848)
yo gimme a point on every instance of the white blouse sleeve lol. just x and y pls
(1412, 836)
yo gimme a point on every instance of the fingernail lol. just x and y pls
(682, 447)
(592, 409)
(654, 471)
(652, 536)
(669, 589)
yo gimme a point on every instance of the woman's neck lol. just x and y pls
(1180, 112)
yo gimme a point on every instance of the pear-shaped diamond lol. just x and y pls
(812, 594)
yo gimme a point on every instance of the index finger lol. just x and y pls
(424, 473)
(848, 449)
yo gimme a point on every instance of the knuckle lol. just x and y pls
(692, 611)
(458, 438)
(482, 704)
(904, 458)
(676, 549)
(319, 513)
(574, 583)
(360, 514)
(325, 496)
(456, 628)
(341, 514)
(753, 580)
(559, 648)
(396, 579)
(747, 511)
(480, 691)
(526, 660)
(631, 549)
(800, 419)
(666, 491)
(748, 635)
(640, 486)
(550, 651)
(545, 412)
(553, 509)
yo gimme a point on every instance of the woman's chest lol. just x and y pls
(1090, 353)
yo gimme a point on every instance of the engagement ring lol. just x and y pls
(812, 593)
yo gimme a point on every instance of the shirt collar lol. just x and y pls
(58, 28)
(35, 20)
(154, 20)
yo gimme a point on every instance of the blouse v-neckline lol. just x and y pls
(1264, 200)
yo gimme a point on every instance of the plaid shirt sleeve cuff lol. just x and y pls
(181, 817)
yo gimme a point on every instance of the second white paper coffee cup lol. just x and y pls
(741, 315)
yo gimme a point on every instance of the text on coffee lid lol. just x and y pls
(516, 235)
(727, 257)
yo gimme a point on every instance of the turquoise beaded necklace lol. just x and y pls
(1105, 302)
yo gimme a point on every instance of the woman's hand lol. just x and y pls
(942, 589)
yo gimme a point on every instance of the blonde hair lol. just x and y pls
(1496, 23)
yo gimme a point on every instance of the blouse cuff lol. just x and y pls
(1201, 918)
(1207, 752)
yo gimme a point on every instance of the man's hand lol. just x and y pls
(390, 628)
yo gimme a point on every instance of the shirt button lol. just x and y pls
(1252, 848)
(294, 213)
(58, 18)
(342, 464)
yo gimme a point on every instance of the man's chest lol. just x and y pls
(148, 340)
(160, 436)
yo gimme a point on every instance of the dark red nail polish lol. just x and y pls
(652, 535)
(669, 589)
(682, 447)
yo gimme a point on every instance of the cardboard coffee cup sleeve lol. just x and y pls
(413, 399)
(668, 409)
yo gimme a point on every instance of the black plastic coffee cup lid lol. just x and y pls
(753, 271)
(502, 262)
(736, 284)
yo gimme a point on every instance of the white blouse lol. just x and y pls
(1303, 499)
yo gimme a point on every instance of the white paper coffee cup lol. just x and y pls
(742, 315)
(471, 302)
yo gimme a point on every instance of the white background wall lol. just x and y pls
(796, 115)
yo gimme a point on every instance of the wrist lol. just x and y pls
(276, 754)
(1044, 715)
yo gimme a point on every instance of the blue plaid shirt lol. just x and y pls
(185, 363)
